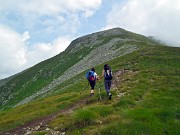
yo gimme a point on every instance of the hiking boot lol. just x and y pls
(92, 93)
(110, 95)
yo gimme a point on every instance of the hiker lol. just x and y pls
(107, 74)
(92, 77)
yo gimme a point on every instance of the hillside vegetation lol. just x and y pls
(145, 93)
(82, 53)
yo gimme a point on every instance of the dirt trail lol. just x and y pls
(40, 124)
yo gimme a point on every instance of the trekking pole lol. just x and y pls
(100, 92)
(86, 86)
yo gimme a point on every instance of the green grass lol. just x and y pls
(150, 104)
(38, 109)
(37, 77)
(40, 133)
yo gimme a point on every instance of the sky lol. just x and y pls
(34, 30)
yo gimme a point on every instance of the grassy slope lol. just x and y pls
(34, 79)
(37, 77)
(150, 104)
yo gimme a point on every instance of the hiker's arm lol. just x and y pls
(97, 77)
(102, 75)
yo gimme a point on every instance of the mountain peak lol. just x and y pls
(94, 37)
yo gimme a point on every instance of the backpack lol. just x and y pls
(90, 76)
(108, 73)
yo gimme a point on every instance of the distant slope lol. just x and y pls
(5, 80)
(82, 53)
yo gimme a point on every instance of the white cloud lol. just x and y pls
(12, 52)
(25, 36)
(30, 22)
(47, 15)
(41, 51)
(151, 18)
(16, 55)
(50, 7)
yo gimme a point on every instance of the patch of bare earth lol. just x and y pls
(42, 123)
(119, 79)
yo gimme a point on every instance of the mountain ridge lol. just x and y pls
(116, 41)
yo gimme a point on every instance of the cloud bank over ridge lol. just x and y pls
(150, 18)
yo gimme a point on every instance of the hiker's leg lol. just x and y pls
(109, 86)
(106, 86)
(93, 85)
(92, 88)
